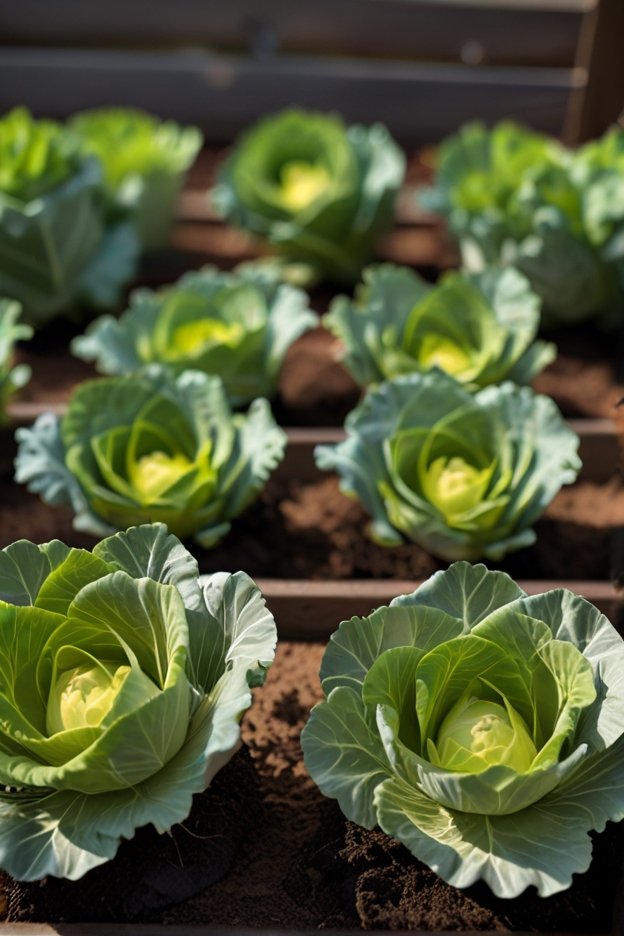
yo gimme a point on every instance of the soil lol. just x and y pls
(277, 854)
(311, 531)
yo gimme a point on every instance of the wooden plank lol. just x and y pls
(307, 610)
(225, 93)
(600, 53)
(504, 32)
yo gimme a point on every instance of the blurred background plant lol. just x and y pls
(12, 376)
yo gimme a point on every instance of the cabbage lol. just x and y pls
(151, 447)
(123, 679)
(480, 328)
(463, 475)
(481, 727)
(144, 161)
(238, 326)
(515, 197)
(57, 250)
(320, 193)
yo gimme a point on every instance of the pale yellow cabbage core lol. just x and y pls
(82, 696)
(153, 474)
(477, 734)
(454, 486)
(302, 183)
(448, 356)
(195, 336)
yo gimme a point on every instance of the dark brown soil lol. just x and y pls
(298, 864)
(312, 531)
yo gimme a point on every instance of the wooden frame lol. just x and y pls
(423, 67)
(497, 33)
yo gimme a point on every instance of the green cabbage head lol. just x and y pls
(480, 726)
(321, 193)
(463, 475)
(58, 250)
(144, 160)
(123, 680)
(236, 325)
(11, 330)
(515, 197)
(480, 328)
(151, 447)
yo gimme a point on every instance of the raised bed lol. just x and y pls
(275, 853)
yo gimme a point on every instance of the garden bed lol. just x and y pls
(262, 848)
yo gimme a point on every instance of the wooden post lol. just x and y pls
(601, 54)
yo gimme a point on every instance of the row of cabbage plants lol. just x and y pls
(481, 727)
(161, 441)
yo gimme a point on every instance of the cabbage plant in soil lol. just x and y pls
(480, 726)
(151, 447)
(321, 193)
(236, 325)
(512, 196)
(144, 161)
(58, 250)
(464, 475)
(124, 678)
(480, 328)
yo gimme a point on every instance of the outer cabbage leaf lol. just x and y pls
(479, 328)
(152, 447)
(64, 813)
(236, 326)
(145, 161)
(56, 251)
(464, 476)
(367, 743)
(320, 193)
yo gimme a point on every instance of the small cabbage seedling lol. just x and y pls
(480, 328)
(144, 160)
(58, 250)
(152, 447)
(11, 330)
(512, 196)
(124, 678)
(463, 475)
(238, 326)
(322, 194)
(480, 726)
